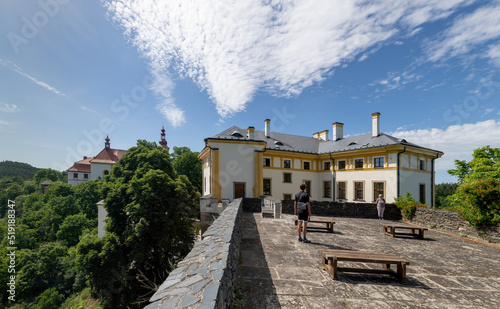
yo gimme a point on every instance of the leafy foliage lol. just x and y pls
(186, 162)
(150, 208)
(48, 174)
(48, 227)
(443, 190)
(485, 163)
(17, 169)
(477, 198)
(408, 205)
(478, 201)
(149, 225)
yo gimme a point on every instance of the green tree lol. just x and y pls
(408, 205)
(58, 189)
(72, 228)
(39, 269)
(478, 201)
(17, 169)
(485, 163)
(87, 195)
(443, 190)
(148, 227)
(187, 163)
(477, 198)
(177, 151)
(49, 299)
(47, 174)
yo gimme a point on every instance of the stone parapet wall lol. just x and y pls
(452, 222)
(355, 210)
(251, 204)
(206, 277)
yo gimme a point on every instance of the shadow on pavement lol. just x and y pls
(255, 284)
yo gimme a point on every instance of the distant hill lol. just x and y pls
(23, 170)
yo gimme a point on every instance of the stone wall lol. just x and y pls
(333, 209)
(251, 204)
(452, 222)
(207, 275)
(355, 210)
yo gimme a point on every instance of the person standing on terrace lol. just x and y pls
(302, 209)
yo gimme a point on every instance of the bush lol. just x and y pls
(478, 202)
(408, 205)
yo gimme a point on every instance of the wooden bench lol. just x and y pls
(329, 224)
(391, 231)
(330, 259)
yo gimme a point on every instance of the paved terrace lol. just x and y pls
(445, 271)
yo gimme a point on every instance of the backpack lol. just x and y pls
(301, 206)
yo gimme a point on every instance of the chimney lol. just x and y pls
(84, 157)
(251, 131)
(375, 124)
(322, 136)
(268, 127)
(338, 131)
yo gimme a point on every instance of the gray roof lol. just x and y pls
(304, 144)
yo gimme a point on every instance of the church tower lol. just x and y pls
(107, 144)
(163, 141)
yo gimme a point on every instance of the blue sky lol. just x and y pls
(74, 71)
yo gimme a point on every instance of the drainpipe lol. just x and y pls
(432, 180)
(397, 178)
(333, 178)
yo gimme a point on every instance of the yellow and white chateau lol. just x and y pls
(250, 163)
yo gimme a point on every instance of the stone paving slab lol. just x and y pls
(445, 271)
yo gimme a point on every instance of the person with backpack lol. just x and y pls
(303, 211)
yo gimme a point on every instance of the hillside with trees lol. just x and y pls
(59, 260)
(17, 169)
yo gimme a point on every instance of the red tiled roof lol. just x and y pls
(108, 156)
(82, 166)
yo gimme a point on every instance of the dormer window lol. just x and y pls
(278, 143)
(353, 143)
(236, 134)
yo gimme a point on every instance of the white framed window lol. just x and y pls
(307, 165)
(358, 163)
(422, 165)
(267, 186)
(287, 163)
(341, 164)
(327, 165)
(266, 162)
(378, 162)
(359, 191)
(287, 177)
(327, 189)
(341, 190)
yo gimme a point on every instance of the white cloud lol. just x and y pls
(20, 71)
(9, 108)
(40, 83)
(469, 31)
(232, 49)
(488, 110)
(457, 141)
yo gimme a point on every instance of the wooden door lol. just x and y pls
(239, 189)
